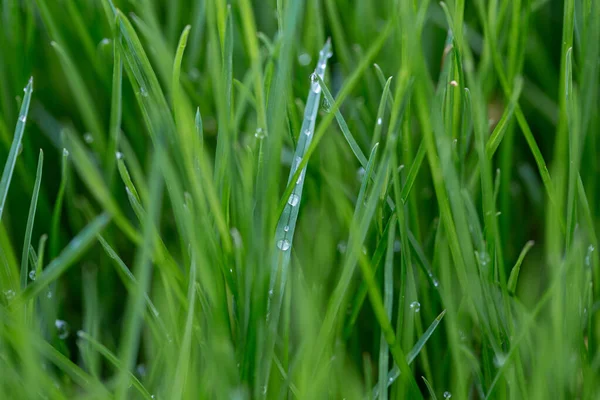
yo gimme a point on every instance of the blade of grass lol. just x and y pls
(388, 285)
(30, 220)
(9, 167)
(514, 274)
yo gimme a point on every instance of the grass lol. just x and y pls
(299, 199)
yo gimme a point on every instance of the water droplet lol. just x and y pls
(300, 177)
(397, 246)
(588, 256)
(141, 370)
(105, 42)
(391, 379)
(237, 238)
(326, 105)
(119, 155)
(294, 200)
(483, 257)
(23, 118)
(80, 333)
(65, 153)
(499, 360)
(264, 389)
(9, 294)
(32, 275)
(143, 91)
(342, 246)
(304, 59)
(88, 138)
(315, 87)
(453, 83)
(307, 132)
(436, 283)
(415, 306)
(283, 245)
(62, 329)
(259, 134)
(49, 294)
(447, 395)
(286, 228)
(270, 292)
(360, 173)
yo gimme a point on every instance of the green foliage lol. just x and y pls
(299, 199)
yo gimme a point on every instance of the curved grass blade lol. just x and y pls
(30, 220)
(9, 167)
(429, 388)
(514, 274)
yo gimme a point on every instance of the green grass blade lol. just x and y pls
(514, 274)
(9, 167)
(58, 205)
(30, 220)
(344, 126)
(388, 301)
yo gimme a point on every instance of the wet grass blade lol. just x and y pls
(9, 167)
(30, 220)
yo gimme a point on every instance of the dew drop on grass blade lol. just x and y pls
(287, 222)
(286, 226)
(9, 167)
